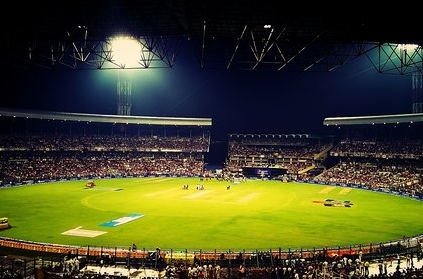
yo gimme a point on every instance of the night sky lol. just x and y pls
(238, 101)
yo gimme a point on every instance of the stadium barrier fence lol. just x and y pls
(154, 257)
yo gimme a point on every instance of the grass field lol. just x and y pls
(251, 215)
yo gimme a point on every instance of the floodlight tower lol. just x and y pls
(124, 95)
(126, 51)
(417, 92)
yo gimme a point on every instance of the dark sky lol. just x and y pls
(238, 101)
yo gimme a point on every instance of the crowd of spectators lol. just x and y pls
(392, 166)
(386, 149)
(49, 142)
(37, 158)
(392, 176)
(291, 152)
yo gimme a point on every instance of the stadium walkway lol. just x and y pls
(122, 271)
(374, 266)
(145, 273)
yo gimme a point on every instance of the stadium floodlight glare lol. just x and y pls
(407, 54)
(408, 47)
(125, 51)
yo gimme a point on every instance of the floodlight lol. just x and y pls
(126, 51)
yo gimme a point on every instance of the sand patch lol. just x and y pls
(83, 233)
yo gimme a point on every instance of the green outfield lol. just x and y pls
(253, 214)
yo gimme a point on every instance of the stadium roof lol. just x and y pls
(114, 119)
(252, 35)
(371, 120)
